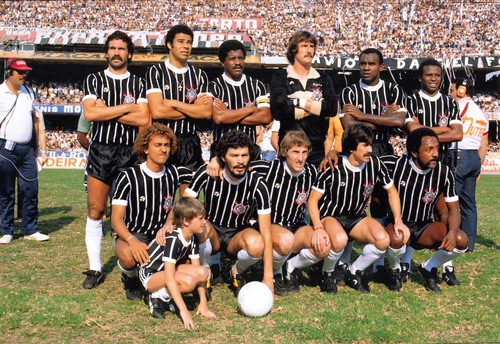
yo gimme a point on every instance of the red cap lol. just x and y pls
(17, 64)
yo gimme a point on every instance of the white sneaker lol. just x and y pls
(37, 236)
(6, 239)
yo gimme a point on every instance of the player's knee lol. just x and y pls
(337, 243)
(124, 255)
(462, 241)
(255, 245)
(283, 243)
(95, 212)
(201, 274)
(382, 240)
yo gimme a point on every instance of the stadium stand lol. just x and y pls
(401, 28)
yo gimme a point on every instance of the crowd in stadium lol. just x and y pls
(57, 93)
(62, 140)
(402, 28)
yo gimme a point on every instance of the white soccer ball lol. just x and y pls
(255, 299)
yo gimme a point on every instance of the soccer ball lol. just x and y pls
(255, 299)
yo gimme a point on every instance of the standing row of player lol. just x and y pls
(301, 98)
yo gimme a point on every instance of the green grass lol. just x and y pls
(42, 300)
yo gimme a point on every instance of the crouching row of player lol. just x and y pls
(278, 192)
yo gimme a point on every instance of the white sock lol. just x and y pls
(394, 256)
(130, 273)
(331, 260)
(161, 294)
(406, 258)
(378, 262)
(303, 259)
(214, 259)
(441, 257)
(205, 251)
(345, 258)
(369, 255)
(278, 261)
(245, 261)
(447, 264)
(93, 239)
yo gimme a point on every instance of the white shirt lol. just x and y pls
(18, 123)
(474, 124)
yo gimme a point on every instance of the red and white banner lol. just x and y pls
(491, 163)
(234, 24)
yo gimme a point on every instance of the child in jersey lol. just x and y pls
(166, 276)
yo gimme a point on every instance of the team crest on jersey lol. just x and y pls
(249, 103)
(239, 208)
(317, 94)
(430, 195)
(302, 197)
(191, 94)
(167, 202)
(442, 120)
(368, 189)
(128, 99)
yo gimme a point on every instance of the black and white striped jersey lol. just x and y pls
(433, 111)
(419, 190)
(182, 84)
(236, 95)
(288, 191)
(176, 249)
(374, 100)
(231, 203)
(114, 90)
(346, 189)
(148, 196)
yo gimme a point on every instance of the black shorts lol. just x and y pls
(105, 161)
(382, 148)
(188, 152)
(226, 234)
(416, 231)
(294, 228)
(142, 237)
(349, 221)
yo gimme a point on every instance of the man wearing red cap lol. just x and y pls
(17, 154)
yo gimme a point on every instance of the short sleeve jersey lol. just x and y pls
(231, 203)
(346, 189)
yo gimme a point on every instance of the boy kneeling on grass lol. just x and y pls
(167, 276)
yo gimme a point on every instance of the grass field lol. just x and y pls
(42, 299)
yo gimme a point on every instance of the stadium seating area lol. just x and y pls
(400, 28)
(57, 93)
